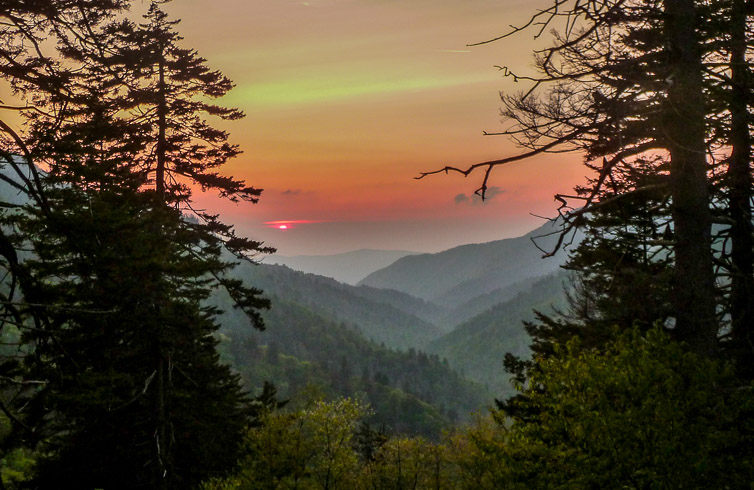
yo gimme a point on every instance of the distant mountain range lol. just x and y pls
(421, 337)
(462, 274)
(348, 268)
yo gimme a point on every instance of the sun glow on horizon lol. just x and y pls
(289, 224)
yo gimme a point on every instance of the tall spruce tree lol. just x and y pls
(731, 65)
(134, 395)
(646, 91)
(28, 63)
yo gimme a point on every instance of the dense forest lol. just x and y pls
(139, 334)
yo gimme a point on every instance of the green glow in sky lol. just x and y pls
(320, 89)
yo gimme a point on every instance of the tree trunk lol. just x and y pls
(739, 188)
(693, 291)
(161, 440)
(161, 131)
(161, 414)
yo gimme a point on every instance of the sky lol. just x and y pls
(347, 101)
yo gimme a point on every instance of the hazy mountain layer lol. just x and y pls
(462, 274)
(325, 333)
(348, 268)
(383, 316)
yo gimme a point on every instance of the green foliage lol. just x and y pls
(321, 447)
(16, 467)
(382, 316)
(411, 392)
(16, 463)
(311, 448)
(476, 347)
(645, 413)
(478, 455)
(409, 463)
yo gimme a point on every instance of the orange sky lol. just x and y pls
(348, 100)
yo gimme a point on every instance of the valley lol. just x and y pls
(421, 339)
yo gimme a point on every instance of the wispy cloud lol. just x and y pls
(461, 198)
(475, 199)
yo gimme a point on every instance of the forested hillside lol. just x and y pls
(342, 340)
(477, 346)
(306, 354)
(383, 316)
(472, 337)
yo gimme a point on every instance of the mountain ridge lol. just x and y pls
(460, 274)
(476, 347)
(347, 267)
(386, 316)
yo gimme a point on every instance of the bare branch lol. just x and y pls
(495, 163)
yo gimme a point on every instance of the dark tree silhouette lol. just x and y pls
(645, 90)
(121, 265)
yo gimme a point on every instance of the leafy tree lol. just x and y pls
(409, 463)
(643, 413)
(311, 448)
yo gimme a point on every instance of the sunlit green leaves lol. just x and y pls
(644, 413)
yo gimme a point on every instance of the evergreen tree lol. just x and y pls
(654, 94)
(732, 93)
(103, 391)
(29, 64)
(134, 394)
